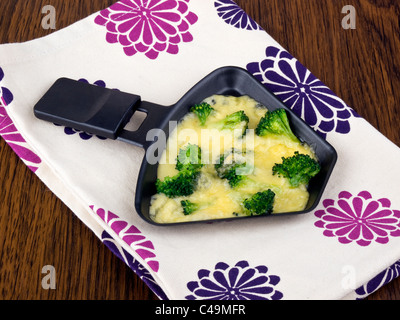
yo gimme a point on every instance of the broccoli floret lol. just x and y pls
(232, 166)
(262, 203)
(232, 175)
(237, 120)
(202, 111)
(189, 207)
(298, 169)
(275, 123)
(189, 158)
(185, 182)
(182, 184)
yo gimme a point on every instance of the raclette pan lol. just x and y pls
(106, 112)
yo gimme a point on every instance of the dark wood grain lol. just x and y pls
(362, 66)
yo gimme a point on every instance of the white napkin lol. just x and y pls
(346, 249)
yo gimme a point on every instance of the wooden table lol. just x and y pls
(360, 65)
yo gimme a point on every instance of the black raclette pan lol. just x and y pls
(106, 112)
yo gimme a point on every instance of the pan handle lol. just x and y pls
(97, 110)
(156, 114)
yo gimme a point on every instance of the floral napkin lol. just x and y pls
(159, 49)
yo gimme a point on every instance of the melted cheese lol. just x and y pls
(216, 198)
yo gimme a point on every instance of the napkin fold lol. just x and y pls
(346, 249)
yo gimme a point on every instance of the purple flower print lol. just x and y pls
(99, 83)
(359, 219)
(301, 91)
(232, 14)
(379, 281)
(6, 97)
(140, 271)
(83, 135)
(131, 236)
(240, 282)
(149, 27)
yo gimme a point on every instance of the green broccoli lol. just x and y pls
(298, 169)
(182, 184)
(237, 120)
(202, 111)
(189, 207)
(275, 123)
(262, 203)
(233, 167)
(232, 175)
(185, 182)
(189, 158)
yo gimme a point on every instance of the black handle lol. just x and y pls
(156, 114)
(96, 110)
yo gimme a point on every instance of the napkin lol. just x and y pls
(346, 249)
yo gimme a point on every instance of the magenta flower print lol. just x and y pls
(240, 282)
(140, 271)
(10, 133)
(14, 139)
(148, 26)
(131, 236)
(360, 219)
